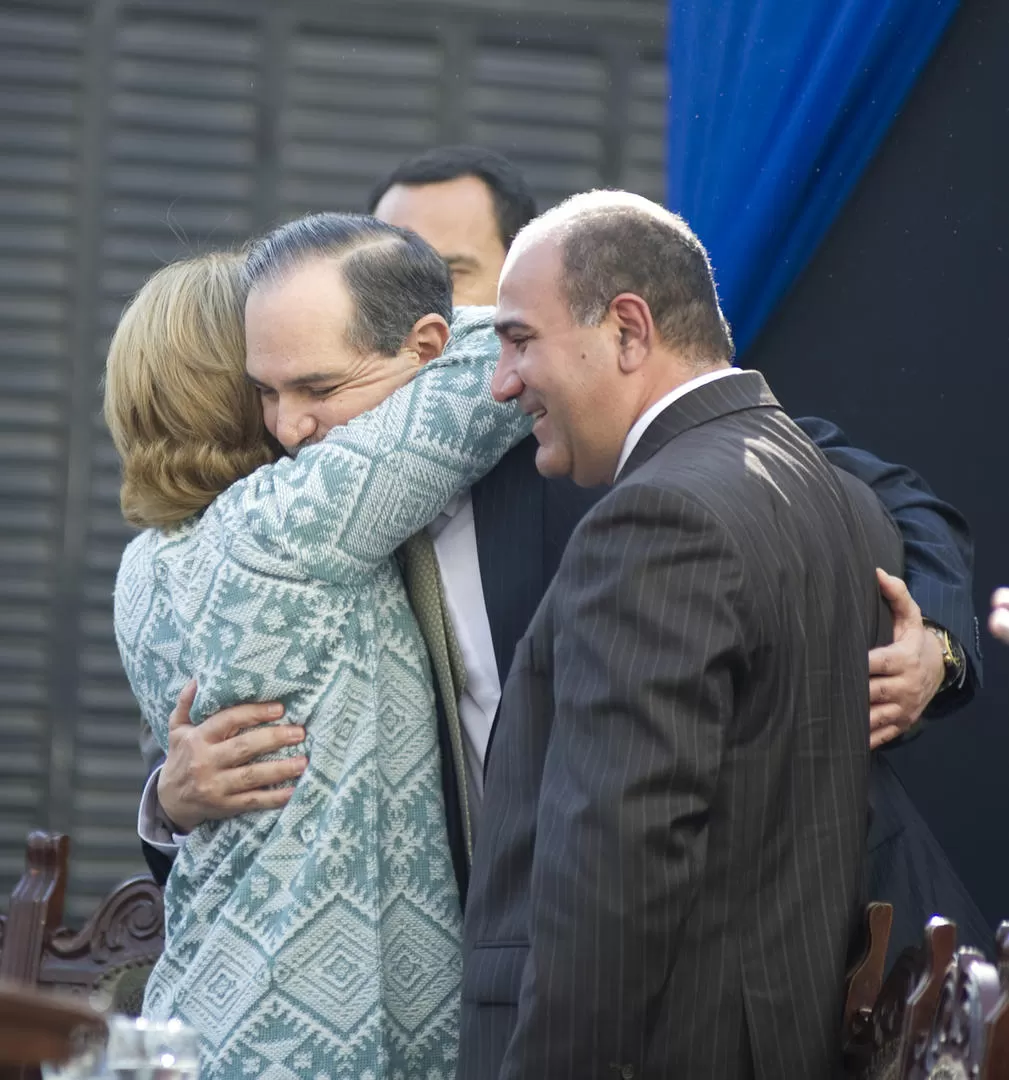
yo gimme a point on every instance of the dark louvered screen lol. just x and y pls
(42, 62)
(644, 161)
(134, 131)
(178, 176)
(355, 104)
(545, 108)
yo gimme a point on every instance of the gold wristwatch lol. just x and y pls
(952, 657)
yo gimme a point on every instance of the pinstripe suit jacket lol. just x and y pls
(669, 868)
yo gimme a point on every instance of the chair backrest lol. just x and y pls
(36, 907)
(875, 1044)
(125, 935)
(942, 1012)
(955, 1043)
(863, 985)
(940, 945)
(866, 978)
(112, 954)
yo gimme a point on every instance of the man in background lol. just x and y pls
(468, 204)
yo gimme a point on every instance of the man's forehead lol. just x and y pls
(532, 269)
(317, 277)
(295, 327)
(311, 302)
(442, 210)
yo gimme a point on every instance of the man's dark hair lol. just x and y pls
(393, 276)
(612, 247)
(514, 205)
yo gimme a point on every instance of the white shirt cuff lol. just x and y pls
(153, 824)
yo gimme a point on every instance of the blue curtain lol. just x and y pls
(776, 107)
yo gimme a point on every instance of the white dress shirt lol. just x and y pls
(644, 421)
(454, 536)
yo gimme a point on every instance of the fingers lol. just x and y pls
(241, 749)
(888, 660)
(998, 621)
(885, 715)
(998, 624)
(180, 714)
(229, 722)
(271, 799)
(264, 774)
(883, 690)
(882, 736)
(895, 592)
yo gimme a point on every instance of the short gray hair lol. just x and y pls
(613, 242)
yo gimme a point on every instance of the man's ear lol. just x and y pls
(427, 338)
(632, 319)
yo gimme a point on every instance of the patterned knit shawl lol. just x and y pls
(322, 939)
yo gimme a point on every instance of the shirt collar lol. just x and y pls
(449, 511)
(644, 421)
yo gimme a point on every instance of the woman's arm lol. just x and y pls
(346, 503)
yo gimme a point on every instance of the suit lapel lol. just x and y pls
(508, 509)
(733, 393)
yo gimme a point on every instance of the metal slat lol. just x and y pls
(354, 107)
(645, 158)
(545, 109)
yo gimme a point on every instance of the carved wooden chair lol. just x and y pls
(110, 958)
(954, 1043)
(942, 1014)
(902, 1010)
(864, 982)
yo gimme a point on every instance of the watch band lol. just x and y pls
(953, 658)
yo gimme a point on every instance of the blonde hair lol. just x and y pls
(183, 417)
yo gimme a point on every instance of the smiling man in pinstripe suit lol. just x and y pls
(669, 868)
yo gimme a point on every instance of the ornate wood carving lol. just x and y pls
(874, 1043)
(954, 1048)
(940, 943)
(128, 929)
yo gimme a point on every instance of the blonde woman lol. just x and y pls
(322, 938)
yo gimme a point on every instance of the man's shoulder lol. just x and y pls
(733, 468)
(710, 456)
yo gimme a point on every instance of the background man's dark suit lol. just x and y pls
(669, 867)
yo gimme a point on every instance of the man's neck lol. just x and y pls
(657, 400)
(676, 378)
